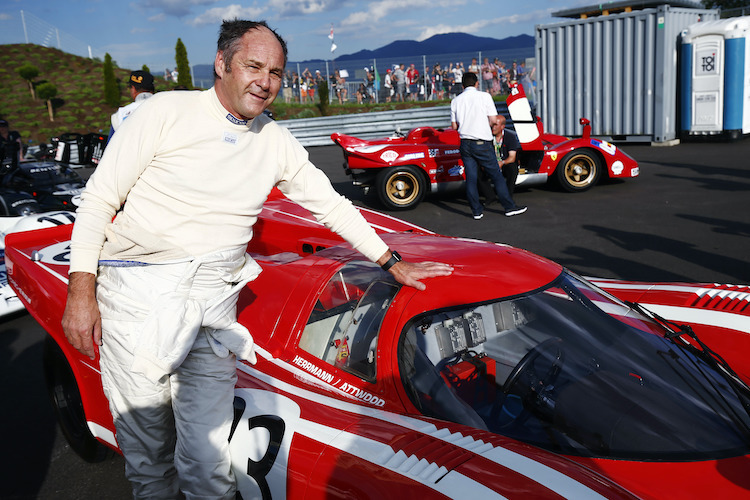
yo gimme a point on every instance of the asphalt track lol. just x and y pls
(686, 218)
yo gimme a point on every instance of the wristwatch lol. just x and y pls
(395, 257)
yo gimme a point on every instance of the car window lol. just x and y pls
(344, 326)
(571, 369)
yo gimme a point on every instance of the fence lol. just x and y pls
(42, 33)
(357, 70)
(317, 131)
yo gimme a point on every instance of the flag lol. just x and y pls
(333, 47)
(377, 75)
(330, 35)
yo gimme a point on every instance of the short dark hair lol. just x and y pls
(230, 34)
(469, 79)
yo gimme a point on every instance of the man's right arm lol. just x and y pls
(81, 320)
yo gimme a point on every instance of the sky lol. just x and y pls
(138, 32)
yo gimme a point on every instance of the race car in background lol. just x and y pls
(53, 185)
(9, 302)
(402, 169)
(513, 377)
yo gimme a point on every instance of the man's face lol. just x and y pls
(255, 77)
(498, 127)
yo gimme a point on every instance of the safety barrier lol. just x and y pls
(317, 131)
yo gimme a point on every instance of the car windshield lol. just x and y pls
(571, 369)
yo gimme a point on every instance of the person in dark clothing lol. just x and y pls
(11, 147)
(507, 149)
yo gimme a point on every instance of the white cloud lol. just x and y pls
(477, 26)
(5, 17)
(177, 8)
(158, 18)
(382, 8)
(219, 14)
(302, 7)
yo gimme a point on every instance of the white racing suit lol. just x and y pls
(169, 340)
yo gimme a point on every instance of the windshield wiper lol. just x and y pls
(675, 332)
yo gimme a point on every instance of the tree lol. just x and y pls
(28, 73)
(323, 96)
(111, 88)
(47, 91)
(183, 66)
(145, 68)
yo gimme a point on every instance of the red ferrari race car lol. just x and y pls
(538, 383)
(402, 169)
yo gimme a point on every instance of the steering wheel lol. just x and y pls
(529, 385)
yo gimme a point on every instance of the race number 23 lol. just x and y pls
(259, 443)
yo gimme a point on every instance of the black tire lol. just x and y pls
(578, 171)
(401, 188)
(66, 402)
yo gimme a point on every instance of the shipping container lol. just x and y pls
(619, 70)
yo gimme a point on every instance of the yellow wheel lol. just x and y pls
(400, 188)
(578, 171)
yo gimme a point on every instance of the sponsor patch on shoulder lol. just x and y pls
(230, 138)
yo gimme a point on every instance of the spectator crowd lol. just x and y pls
(401, 83)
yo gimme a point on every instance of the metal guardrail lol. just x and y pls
(373, 125)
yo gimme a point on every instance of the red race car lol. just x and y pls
(538, 383)
(404, 168)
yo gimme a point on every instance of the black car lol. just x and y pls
(54, 186)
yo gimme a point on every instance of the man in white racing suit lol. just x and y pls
(165, 221)
(141, 87)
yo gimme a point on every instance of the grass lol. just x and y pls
(80, 95)
(80, 92)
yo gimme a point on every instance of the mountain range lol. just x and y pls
(446, 43)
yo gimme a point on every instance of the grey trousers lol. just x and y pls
(173, 432)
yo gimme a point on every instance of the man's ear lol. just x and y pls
(219, 65)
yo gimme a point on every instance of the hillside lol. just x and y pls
(79, 105)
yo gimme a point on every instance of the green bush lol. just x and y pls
(306, 113)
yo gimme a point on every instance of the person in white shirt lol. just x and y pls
(141, 87)
(165, 221)
(472, 114)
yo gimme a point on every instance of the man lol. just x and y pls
(399, 76)
(11, 147)
(186, 177)
(507, 147)
(388, 85)
(412, 77)
(141, 87)
(472, 114)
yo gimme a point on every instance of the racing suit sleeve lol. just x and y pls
(307, 185)
(127, 155)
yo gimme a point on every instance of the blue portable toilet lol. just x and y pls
(715, 78)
